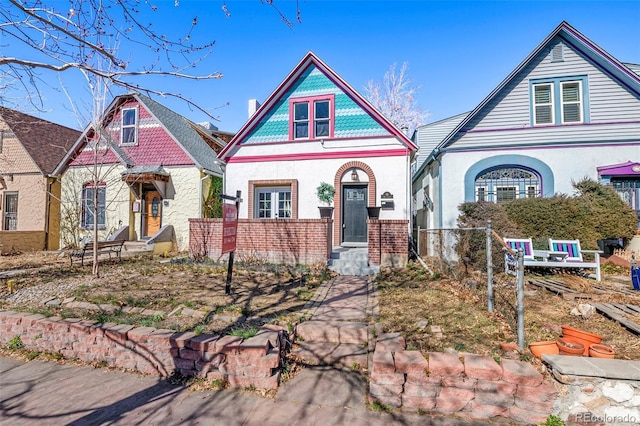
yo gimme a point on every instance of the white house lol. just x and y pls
(570, 110)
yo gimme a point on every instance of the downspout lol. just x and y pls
(436, 153)
(47, 212)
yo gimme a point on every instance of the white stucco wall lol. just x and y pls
(185, 204)
(568, 165)
(390, 174)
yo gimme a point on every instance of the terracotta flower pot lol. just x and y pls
(569, 346)
(540, 348)
(584, 337)
(601, 351)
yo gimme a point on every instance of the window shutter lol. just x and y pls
(543, 104)
(571, 102)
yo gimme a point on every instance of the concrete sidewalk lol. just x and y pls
(42, 393)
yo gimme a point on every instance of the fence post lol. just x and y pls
(489, 269)
(418, 242)
(520, 290)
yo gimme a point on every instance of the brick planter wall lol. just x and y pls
(472, 386)
(251, 362)
(388, 242)
(290, 241)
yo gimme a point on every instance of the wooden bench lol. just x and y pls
(104, 247)
(561, 254)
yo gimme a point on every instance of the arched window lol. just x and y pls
(499, 185)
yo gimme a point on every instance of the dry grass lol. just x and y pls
(459, 307)
(260, 292)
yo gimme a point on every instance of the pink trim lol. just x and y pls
(318, 156)
(348, 138)
(537, 147)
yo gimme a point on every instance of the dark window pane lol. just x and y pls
(322, 109)
(129, 135)
(322, 128)
(301, 111)
(302, 130)
(129, 117)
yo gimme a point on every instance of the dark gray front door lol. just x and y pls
(354, 214)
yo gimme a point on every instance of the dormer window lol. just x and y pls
(311, 118)
(129, 126)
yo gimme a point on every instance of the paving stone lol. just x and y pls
(410, 362)
(444, 364)
(392, 342)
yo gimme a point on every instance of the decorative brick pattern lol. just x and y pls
(250, 362)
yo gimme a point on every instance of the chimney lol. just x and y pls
(253, 106)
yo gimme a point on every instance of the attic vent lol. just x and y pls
(557, 53)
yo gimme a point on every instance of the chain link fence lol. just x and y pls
(479, 259)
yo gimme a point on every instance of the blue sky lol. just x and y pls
(457, 51)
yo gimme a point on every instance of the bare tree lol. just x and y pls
(395, 98)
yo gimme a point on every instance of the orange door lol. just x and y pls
(153, 213)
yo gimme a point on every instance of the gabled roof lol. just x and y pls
(624, 75)
(310, 59)
(46, 142)
(194, 139)
(429, 136)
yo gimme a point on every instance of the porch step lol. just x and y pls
(352, 261)
(133, 248)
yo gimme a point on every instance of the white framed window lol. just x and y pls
(322, 118)
(558, 101)
(10, 215)
(129, 126)
(571, 101)
(273, 202)
(312, 117)
(88, 210)
(543, 104)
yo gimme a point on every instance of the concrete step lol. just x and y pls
(355, 270)
(333, 332)
(325, 353)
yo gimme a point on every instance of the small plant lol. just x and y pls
(31, 355)
(244, 332)
(380, 407)
(218, 384)
(325, 193)
(421, 412)
(15, 343)
(199, 329)
(355, 366)
(553, 421)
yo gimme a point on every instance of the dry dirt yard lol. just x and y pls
(411, 300)
(175, 293)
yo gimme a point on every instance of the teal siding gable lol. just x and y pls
(350, 119)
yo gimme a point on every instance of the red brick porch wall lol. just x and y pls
(290, 241)
(388, 242)
(241, 363)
